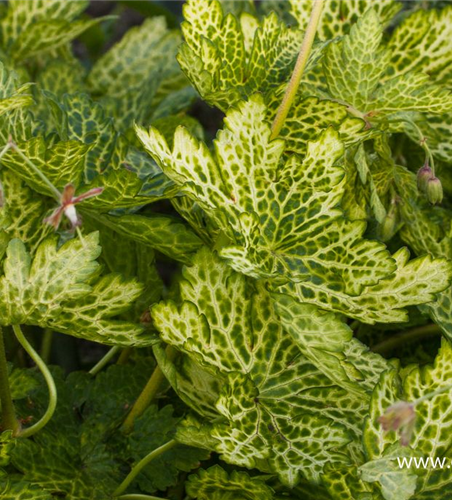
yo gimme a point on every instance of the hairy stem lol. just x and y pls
(147, 394)
(9, 421)
(300, 65)
(47, 377)
(409, 336)
(55, 192)
(104, 361)
(141, 464)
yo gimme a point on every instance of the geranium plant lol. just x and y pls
(238, 218)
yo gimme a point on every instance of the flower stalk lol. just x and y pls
(148, 393)
(300, 65)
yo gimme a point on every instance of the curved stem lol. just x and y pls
(300, 65)
(104, 361)
(141, 464)
(408, 336)
(9, 420)
(47, 377)
(46, 345)
(147, 394)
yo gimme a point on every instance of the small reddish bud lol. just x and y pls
(423, 176)
(400, 417)
(434, 191)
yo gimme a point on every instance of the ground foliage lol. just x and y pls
(259, 273)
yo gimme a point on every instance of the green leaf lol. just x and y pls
(422, 42)
(216, 484)
(414, 282)
(161, 232)
(328, 344)
(14, 488)
(12, 95)
(44, 36)
(354, 67)
(230, 328)
(23, 211)
(227, 58)
(432, 437)
(343, 483)
(430, 232)
(22, 14)
(58, 290)
(281, 220)
(61, 163)
(339, 16)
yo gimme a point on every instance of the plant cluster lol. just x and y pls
(270, 270)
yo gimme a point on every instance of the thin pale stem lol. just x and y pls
(432, 394)
(53, 189)
(406, 337)
(104, 361)
(47, 377)
(147, 394)
(9, 420)
(141, 464)
(300, 65)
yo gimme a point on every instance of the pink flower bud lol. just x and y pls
(423, 176)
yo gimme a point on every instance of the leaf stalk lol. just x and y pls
(104, 361)
(148, 393)
(141, 464)
(303, 56)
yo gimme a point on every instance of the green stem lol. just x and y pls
(9, 420)
(47, 377)
(38, 172)
(124, 356)
(46, 345)
(409, 336)
(147, 394)
(141, 464)
(135, 496)
(300, 65)
(104, 361)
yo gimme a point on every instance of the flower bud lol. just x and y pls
(424, 174)
(388, 226)
(401, 417)
(434, 191)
